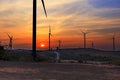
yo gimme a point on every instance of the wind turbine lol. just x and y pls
(92, 44)
(113, 38)
(49, 38)
(10, 41)
(59, 44)
(84, 33)
(34, 26)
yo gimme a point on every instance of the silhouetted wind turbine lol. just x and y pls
(49, 38)
(34, 26)
(113, 42)
(59, 44)
(84, 33)
(10, 41)
(92, 44)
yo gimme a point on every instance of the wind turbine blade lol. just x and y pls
(44, 7)
(82, 31)
(8, 35)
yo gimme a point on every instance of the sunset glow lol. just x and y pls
(101, 18)
(42, 45)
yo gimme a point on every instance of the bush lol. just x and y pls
(2, 54)
(115, 62)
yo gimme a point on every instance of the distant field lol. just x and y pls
(57, 71)
(78, 54)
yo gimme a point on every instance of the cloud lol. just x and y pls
(107, 30)
(65, 17)
(105, 3)
(70, 8)
(81, 14)
(105, 8)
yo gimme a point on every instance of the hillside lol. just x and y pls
(79, 54)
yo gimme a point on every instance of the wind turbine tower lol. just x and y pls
(59, 44)
(49, 38)
(84, 33)
(10, 41)
(34, 26)
(113, 42)
(92, 45)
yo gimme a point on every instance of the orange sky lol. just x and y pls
(67, 19)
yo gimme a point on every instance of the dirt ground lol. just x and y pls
(57, 71)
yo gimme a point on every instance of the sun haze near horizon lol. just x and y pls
(66, 18)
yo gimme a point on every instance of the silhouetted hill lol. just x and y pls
(79, 54)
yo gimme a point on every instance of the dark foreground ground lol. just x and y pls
(56, 71)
